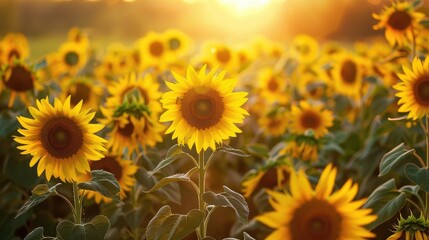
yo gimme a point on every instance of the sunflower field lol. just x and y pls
(215, 119)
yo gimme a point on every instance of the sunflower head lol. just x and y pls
(203, 108)
(82, 89)
(272, 86)
(413, 90)
(305, 48)
(347, 72)
(311, 118)
(60, 139)
(412, 228)
(275, 122)
(178, 42)
(303, 148)
(312, 214)
(14, 46)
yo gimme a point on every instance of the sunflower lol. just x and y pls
(308, 214)
(70, 58)
(123, 170)
(347, 73)
(305, 48)
(414, 89)
(272, 175)
(219, 54)
(78, 36)
(81, 88)
(303, 148)
(264, 47)
(272, 86)
(401, 22)
(312, 117)
(60, 139)
(203, 108)
(178, 42)
(20, 79)
(413, 228)
(145, 86)
(275, 122)
(14, 46)
(155, 50)
(310, 86)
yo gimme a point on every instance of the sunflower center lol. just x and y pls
(108, 164)
(421, 90)
(303, 49)
(399, 20)
(174, 43)
(61, 137)
(127, 130)
(349, 71)
(156, 48)
(13, 54)
(71, 58)
(223, 55)
(20, 79)
(82, 92)
(202, 107)
(310, 119)
(315, 220)
(273, 85)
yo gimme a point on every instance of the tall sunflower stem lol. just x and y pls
(77, 204)
(427, 161)
(202, 189)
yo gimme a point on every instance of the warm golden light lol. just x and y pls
(243, 6)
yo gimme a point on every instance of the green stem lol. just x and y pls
(77, 204)
(427, 160)
(202, 189)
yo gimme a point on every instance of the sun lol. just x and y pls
(245, 5)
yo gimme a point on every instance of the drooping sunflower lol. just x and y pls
(272, 86)
(413, 90)
(275, 122)
(20, 79)
(60, 139)
(401, 21)
(305, 48)
(313, 214)
(347, 74)
(413, 228)
(81, 88)
(302, 148)
(123, 170)
(203, 108)
(306, 116)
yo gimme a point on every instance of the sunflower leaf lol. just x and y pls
(165, 225)
(39, 194)
(173, 154)
(231, 199)
(37, 234)
(385, 202)
(94, 230)
(393, 158)
(259, 150)
(233, 151)
(178, 177)
(417, 175)
(104, 183)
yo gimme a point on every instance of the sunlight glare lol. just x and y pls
(245, 5)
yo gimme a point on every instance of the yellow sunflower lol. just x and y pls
(60, 139)
(203, 108)
(413, 90)
(70, 58)
(78, 36)
(155, 50)
(313, 117)
(81, 88)
(20, 80)
(411, 228)
(272, 86)
(302, 149)
(310, 86)
(401, 22)
(220, 55)
(305, 48)
(307, 214)
(275, 122)
(347, 73)
(123, 170)
(178, 42)
(14, 46)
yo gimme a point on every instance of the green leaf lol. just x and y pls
(233, 151)
(410, 189)
(104, 183)
(94, 230)
(165, 225)
(385, 202)
(245, 235)
(173, 154)
(178, 177)
(259, 150)
(39, 195)
(416, 4)
(419, 176)
(231, 199)
(393, 158)
(37, 234)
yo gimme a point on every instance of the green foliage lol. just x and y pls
(166, 225)
(178, 177)
(36, 234)
(173, 154)
(231, 199)
(259, 150)
(394, 158)
(39, 194)
(104, 183)
(233, 151)
(94, 230)
(419, 176)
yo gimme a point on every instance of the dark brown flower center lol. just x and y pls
(108, 164)
(310, 119)
(20, 80)
(348, 71)
(315, 220)
(399, 20)
(270, 179)
(156, 48)
(71, 58)
(303, 49)
(82, 92)
(273, 85)
(174, 43)
(421, 90)
(127, 130)
(202, 107)
(223, 55)
(61, 137)
(14, 54)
